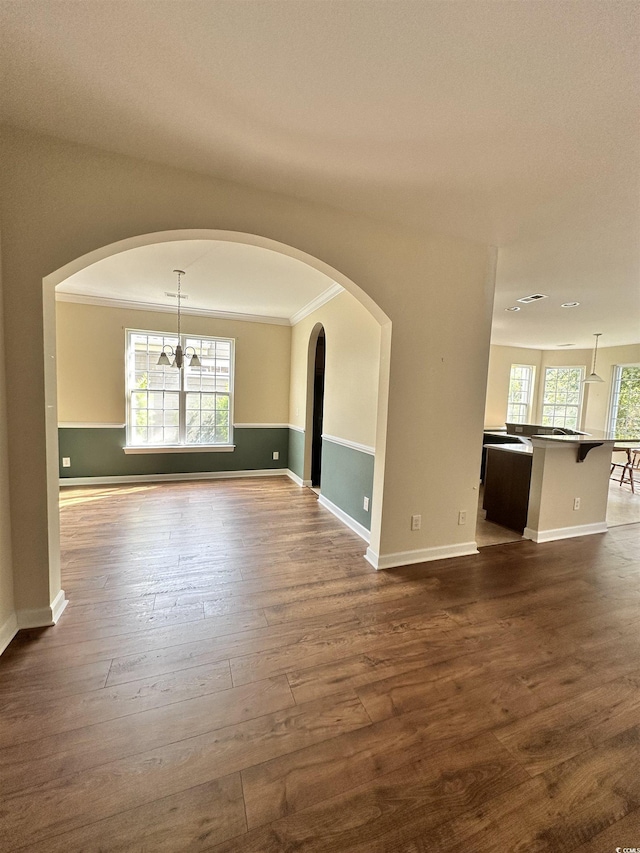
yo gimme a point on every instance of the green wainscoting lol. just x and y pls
(296, 452)
(97, 452)
(347, 476)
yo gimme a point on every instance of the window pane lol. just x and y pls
(562, 396)
(625, 414)
(166, 403)
(520, 388)
(139, 435)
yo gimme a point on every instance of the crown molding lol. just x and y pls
(316, 303)
(130, 305)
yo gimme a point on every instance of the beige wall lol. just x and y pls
(60, 201)
(595, 407)
(6, 570)
(351, 372)
(91, 369)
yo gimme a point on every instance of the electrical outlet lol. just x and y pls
(462, 516)
(276, 454)
(66, 462)
(365, 504)
(576, 503)
(416, 522)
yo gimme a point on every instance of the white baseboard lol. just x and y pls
(423, 555)
(43, 617)
(358, 528)
(297, 480)
(58, 606)
(564, 532)
(161, 478)
(8, 631)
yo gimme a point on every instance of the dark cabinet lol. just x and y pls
(506, 487)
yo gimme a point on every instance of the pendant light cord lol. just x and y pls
(180, 297)
(595, 352)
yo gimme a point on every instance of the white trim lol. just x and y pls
(161, 478)
(58, 606)
(8, 631)
(182, 448)
(358, 528)
(423, 555)
(130, 305)
(43, 617)
(352, 445)
(296, 428)
(74, 425)
(318, 302)
(565, 532)
(261, 426)
(297, 480)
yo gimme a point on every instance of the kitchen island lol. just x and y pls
(556, 488)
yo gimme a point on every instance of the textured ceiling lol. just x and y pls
(511, 123)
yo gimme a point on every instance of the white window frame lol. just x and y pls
(615, 394)
(532, 377)
(577, 406)
(183, 445)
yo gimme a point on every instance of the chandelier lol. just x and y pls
(178, 355)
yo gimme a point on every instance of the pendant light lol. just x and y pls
(178, 355)
(593, 376)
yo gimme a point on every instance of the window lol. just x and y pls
(171, 407)
(624, 420)
(520, 393)
(562, 396)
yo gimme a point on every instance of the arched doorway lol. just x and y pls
(51, 281)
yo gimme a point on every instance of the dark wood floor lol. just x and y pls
(231, 675)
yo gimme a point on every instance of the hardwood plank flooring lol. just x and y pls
(231, 675)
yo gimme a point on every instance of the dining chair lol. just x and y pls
(627, 468)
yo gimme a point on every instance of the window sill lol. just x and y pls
(181, 448)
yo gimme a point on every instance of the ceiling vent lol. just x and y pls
(533, 298)
(175, 295)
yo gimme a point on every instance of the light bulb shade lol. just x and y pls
(163, 361)
(593, 377)
(195, 361)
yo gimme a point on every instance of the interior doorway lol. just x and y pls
(318, 409)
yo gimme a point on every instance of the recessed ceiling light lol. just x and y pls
(513, 308)
(533, 298)
(570, 304)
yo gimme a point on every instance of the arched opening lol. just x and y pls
(51, 281)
